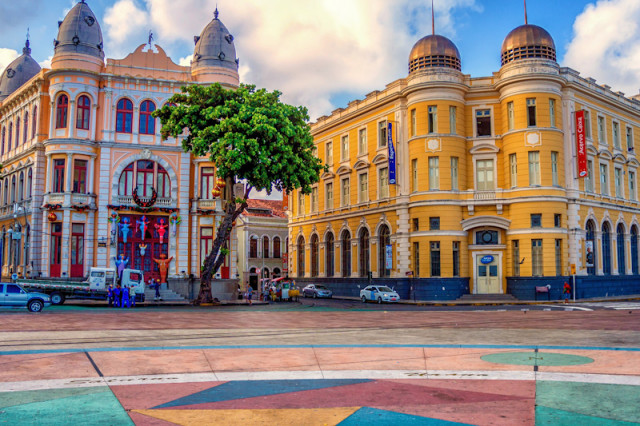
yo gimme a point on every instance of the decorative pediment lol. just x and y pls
(632, 162)
(328, 175)
(480, 221)
(361, 164)
(380, 158)
(591, 150)
(343, 170)
(605, 153)
(484, 148)
(619, 158)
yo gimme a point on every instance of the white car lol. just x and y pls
(378, 293)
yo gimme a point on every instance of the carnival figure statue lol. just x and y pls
(163, 266)
(161, 228)
(143, 224)
(121, 264)
(124, 229)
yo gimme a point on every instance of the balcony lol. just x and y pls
(68, 199)
(127, 200)
(200, 204)
(484, 198)
(21, 207)
(484, 195)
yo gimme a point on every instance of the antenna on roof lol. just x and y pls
(525, 12)
(433, 20)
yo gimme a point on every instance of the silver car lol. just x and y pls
(317, 290)
(378, 293)
(14, 296)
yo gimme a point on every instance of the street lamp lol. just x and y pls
(16, 235)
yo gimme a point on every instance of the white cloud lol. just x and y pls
(6, 57)
(186, 61)
(46, 63)
(608, 53)
(311, 50)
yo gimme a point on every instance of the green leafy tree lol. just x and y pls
(250, 136)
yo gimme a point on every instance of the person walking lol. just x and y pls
(249, 295)
(566, 291)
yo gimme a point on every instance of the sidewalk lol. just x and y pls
(480, 302)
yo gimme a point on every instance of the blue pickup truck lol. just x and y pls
(14, 296)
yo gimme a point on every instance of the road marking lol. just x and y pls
(620, 306)
(568, 308)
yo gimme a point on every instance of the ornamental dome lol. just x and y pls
(434, 51)
(528, 42)
(214, 48)
(21, 70)
(79, 34)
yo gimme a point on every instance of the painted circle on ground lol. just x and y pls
(536, 358)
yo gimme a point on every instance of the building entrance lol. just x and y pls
(487, 274)
(150, 245)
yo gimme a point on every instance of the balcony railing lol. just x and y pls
(484, 195)
(128, 200)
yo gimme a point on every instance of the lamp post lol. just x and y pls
(17, 235)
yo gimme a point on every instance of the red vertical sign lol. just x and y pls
(581, 144)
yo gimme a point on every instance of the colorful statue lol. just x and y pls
(143, 249)
(174, 220)
(161, 227)
(143, 223)
(121, 264)
(124, 228)
(163, 265)
(114, 218)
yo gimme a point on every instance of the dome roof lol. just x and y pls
(528, 41)
(434, 51)
(214, 47)
(21, 70)
(79, 32)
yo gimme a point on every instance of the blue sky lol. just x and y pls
(324, 53)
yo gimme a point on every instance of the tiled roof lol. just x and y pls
(264, 208)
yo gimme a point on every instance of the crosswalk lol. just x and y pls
(620, 306)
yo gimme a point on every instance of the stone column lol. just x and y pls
(104, 186)
(72, 118)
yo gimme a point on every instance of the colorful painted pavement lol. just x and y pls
(353, 385)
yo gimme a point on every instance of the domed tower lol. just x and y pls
(21, 70)
(528, 42)
(434, 51)
(79, 43)
(214, 57)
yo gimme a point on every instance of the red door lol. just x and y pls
(77, 250)
(224, 269)
(152, 247)
(55, 249)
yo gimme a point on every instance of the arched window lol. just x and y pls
(276, 248)
(147, 122)
(329, 255)
(6, 191)
(17, 132)
(346, 253)
(144, 178)
(314, 255)
(29, 183)
(25, 132)
(83, 112)
(34, 124)
(383, 242)
(265, 273)
(606, 249)
(620, 249)
(364, 252)
(265, 247)
(61, 112)
(21, 187)
(4, 131)
(124, 116)
(253, 247)
(590, 243)
(13, 189)
(301, 256)
(10, 138)
(634, 250)
(164, 183)
(276, 272)
(125, 186)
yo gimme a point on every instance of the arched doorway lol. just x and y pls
(384, 244)
(365, 265)
(620, 249)
(590, 248)
(329, 255)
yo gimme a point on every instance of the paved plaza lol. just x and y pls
(240, 365)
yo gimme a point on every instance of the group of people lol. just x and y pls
(121, 297)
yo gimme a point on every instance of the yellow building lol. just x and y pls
(486, 198)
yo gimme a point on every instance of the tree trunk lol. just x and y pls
(215, 259)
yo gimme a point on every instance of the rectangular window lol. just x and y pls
(557, 220)
(412, 130)
(554, 168)
(510, 116)
(435, 259)
(485, 175)
(601, 130)
(588, 180)
(434, 173)
(432, 120)
(515, 248)
(329, 153)
(344, 193)
(414, 175)
(536, 258)
(58, 176)
(536, 220)
(552, 112)
(513, 170)
(80, 176)
(382, 134)
(206, 244)
(300, 203)
(416, 259)
(617, 175)
(77, 248)
(416, 224)
(534, 168)
(453, 120)
(328, 193)
(483, 122)
(632, 186)
(587, 124)
(363, 188)
(531, 112)
(314, 199)
(207, 183)
(454, 174)
(615, 130)
(434, 223)
(344, 148)
(362, 141)
(383, 182)
(558, 258)
(604, 179)
(456, 259)
(630, 147)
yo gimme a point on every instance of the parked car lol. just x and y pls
(378, 293)
(317, 290)
(14, 296)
